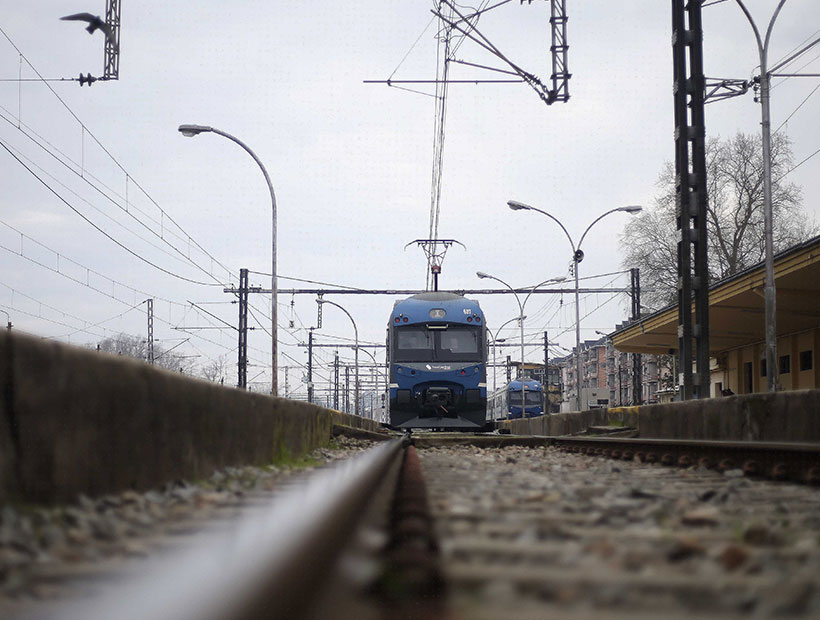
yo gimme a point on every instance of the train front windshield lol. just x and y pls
(533, 398)
(418, 343)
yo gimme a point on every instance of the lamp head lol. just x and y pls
(482, 275)
(631, 209)
(192, 130)
(516, 206)
(559, 279)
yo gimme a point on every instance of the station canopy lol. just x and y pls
(736, 307)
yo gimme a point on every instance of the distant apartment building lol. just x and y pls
(603, 366)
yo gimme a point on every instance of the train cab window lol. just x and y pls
(419, 344)
(413, 344)
(459, 344)
(459, 341)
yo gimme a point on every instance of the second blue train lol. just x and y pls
(505, 403)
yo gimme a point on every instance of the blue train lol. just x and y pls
(505, 403)
(437, 352)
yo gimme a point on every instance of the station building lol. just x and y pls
(737, 326)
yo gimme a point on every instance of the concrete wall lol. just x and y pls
(78, 421)
(783, 416)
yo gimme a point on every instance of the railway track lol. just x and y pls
(463, 526)
(543, 532)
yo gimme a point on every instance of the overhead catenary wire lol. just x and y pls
(106, 151)
(100, 230)
(88, 324)
(814, 90)
(106, 215)
(128, 209)
(62, 258)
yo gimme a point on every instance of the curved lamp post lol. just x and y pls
(496, 339)
(521, 305)
(8, 319)
(577, 257)
(765, 124)
(194, 130)
(321, 301)
(380, 372)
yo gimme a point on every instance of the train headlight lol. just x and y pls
(438, 313)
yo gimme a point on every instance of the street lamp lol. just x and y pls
(193, 130)
(380, 372)
(521, 318)
(321, 301)
(496, 339)
(769, 298)
(521, 305)
(577, 257)
(8, 320)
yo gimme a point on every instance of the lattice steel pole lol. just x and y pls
(150, 303)
(242, 363)
(691, 199)
(637, 374)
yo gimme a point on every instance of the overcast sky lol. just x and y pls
(141, 211)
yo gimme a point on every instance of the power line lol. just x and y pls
(106, 293)
(84, 176)
(797, 108)
(88, 270)
(100, 230)
(793, 168)
(108, 153)
(43, 304)
(110, 218)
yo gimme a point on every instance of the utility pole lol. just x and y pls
(336, 381)
(242, 363)
(150, 311)
(310, 366)
(347, 389)
(691, 199)
(637, 376)
(546, 384)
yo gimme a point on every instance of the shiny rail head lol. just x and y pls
(231, 573)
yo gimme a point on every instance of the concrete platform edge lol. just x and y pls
(792, 416)
(74, 421)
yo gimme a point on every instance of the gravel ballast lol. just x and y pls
(536, 532)
(71, 551)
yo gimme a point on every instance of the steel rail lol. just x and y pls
(795, 462)
(269, 566)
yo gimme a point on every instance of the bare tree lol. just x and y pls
(734, 216)
(215, 370)
(137, 347)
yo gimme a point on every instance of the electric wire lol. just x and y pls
(50, 320)
(88, 270)
(85, 176)
(100, 230)
(88, 325)
(104, 149)
(814, 90)
(117, 316)
(412, 47)
(101, 212)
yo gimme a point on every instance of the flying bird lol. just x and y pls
(95, 22)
